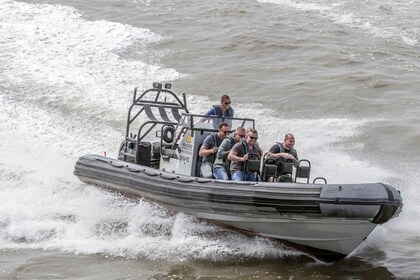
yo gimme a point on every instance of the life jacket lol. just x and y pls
(232, 140)
(292, 151)
(254, 148)
(218, 111)
(217, 143)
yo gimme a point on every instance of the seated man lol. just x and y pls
(284, 152)
(239, 154)
(209, 148)
(221, 164)
(260, 151)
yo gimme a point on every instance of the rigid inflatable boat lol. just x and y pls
(158, 160)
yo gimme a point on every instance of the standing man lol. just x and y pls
(239, 154)
(221, 164)
(209, 149)
(222, 110)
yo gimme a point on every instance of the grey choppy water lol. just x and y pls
(342, 76)
(53, 265)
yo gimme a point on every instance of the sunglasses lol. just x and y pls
(227, 103)
(253, 138)
(242, 136)
(225, 131)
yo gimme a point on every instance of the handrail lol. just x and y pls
(147, 104)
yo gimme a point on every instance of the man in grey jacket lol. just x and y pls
(221, 164)
(209, 149)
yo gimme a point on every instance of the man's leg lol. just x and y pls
(220, 173)
(206, 170)
(250, 176)
(237, 175)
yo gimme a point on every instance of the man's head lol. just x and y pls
(289, 141)
(252, 136)
(223, 130)
(225, 101)
(240, 133)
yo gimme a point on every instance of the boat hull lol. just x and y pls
(329, 220)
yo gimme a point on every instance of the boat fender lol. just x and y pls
(167, 176)
(135, 170)
(203, 180)
(116, 164)
(168, 134)
(151, 173)
(184, 179)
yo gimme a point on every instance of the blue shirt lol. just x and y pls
(216, 110)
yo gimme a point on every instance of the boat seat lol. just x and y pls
(253, 164)
(269, 170)
(303, 171)
(144, 153)
(285, 167)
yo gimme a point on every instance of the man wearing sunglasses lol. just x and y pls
(218, 113)
(239, 154)
(209, 149)
(221, 164)
(222, 110)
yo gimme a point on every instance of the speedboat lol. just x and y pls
(158, 160)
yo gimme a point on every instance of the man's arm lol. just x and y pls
(223, 150)
(233, 154)
(205, 150)
(211, 112)
(275, 153)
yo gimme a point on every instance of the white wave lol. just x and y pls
(58, 74)
(73, 61)
(393, 20)
(43, 206)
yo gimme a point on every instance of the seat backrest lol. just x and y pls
(285, 167)
(252, 165)
(269, 170)
(303, 171)
(145, 153)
